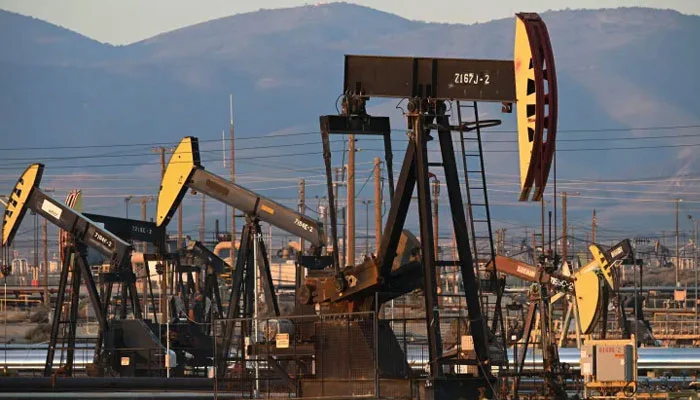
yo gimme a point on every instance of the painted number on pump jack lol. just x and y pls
(102, 239)
(471, 78)
(303, 225)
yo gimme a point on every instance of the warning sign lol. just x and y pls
(282, 340)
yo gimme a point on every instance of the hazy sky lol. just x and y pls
(127, 21)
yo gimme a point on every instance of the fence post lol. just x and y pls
(320, 350)
(375, 326)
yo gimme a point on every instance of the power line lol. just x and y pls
(371, 173)
(579, 149)
(98, 146)
(208, 160)
(130, 176)
(121, 154)
(603, 139)
(601, 130)
(294, 134)
(669, 179)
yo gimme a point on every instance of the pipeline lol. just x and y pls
(650, 358)
(33, 357)
(663, 358)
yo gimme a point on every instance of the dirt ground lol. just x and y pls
(14, 332)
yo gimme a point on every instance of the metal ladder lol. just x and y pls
(478, 211)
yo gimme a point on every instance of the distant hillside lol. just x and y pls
(617, 68)
(30, 41)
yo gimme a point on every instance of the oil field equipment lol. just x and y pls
(194, 258)
(609, 368)
(184, 171)
(191, 344)
(114, 334)
(546, 281)
(428, 84)
(346, 299)
(590, 301)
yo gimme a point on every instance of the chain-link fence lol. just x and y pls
(339, 355)
(310, 356)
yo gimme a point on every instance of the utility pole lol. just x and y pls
(179, 227)
(501, 241)
(127, 199)
(377, 204)
(233, 173)
(164, 277)
(344, 223)
(527, 234)
(695, 268)
(573, 241)
(336, 187)
(498, 241)
(161, 151)
(594, 225)
(326, 230)
(323, 215)
(144, 246)
(564, 223)
(453, 275)
(298, 276)
(436, 219)
(436, 237)
(336, 184)
(44, 231)
(351, 200)
(202, 221)
(564, 227)
(366, 203)
(678, 201)
(144, 203)
(45, 254)
(302, 208)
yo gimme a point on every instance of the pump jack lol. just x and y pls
(545, 280)
(83, 233)
(587, 285)
(185, 171)
(365, 77)
(194, 257)
(428, 83)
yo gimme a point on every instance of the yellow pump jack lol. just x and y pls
(587, 290)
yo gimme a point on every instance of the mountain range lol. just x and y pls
(627, 79)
